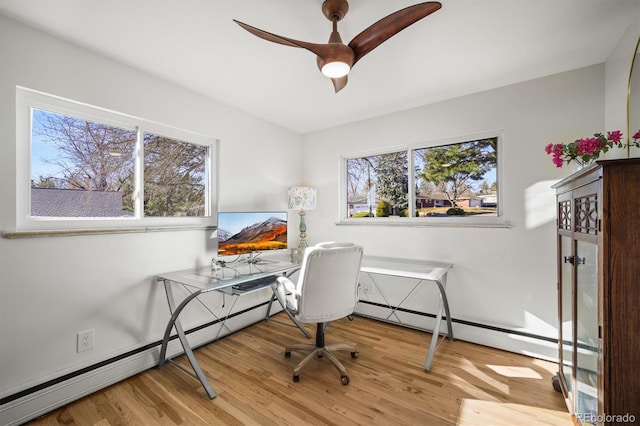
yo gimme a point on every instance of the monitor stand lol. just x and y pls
(255, 259)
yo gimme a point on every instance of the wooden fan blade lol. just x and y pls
(321, 50)
(339, 83)
(268, 36)
(389, 26)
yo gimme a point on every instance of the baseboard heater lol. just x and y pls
(106, 362)
(457, 321)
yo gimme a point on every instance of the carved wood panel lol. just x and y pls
(586, 214)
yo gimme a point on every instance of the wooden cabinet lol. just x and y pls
(598, 233)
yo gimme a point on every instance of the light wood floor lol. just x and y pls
(468, 385)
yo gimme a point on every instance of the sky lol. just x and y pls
(40, 151)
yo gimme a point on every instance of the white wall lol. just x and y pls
(618, 66)
(503, 277)
(51, 288)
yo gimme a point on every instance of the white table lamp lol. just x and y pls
(302, 198)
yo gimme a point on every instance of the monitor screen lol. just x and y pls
(248, 232)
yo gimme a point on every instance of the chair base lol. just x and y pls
(321, 352)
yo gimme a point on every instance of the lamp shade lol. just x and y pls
(302, 198)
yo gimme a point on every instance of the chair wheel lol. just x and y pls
(345, 379)
(296, 378)
(354, 354)
(287, 354)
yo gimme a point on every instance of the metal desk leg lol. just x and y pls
(274, 295)
(175, 322)
(434, 339)
(445, 303)
(389, 305)
(224, 320)
(442, 305)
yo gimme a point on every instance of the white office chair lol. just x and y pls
(327, 290)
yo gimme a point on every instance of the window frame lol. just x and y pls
(498, 221)
(28, 99)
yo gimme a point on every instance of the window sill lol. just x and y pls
(83, 232)
(427, 222)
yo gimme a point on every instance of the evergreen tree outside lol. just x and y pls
(455, 168)
(383, 209)
(392, 180)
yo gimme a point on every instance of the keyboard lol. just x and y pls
(253, 284)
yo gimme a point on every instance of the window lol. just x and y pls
(81, 166)
(378, 182)
(174, 177)
(454, 181)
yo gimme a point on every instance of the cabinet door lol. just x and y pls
(586, 356)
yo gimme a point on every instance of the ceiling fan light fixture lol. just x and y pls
(335, 69)
(335, 59)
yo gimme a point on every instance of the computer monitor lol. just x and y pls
(251, 232)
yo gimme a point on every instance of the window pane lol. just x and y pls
(461, 176)
(175, 176)
(377, 186)
(80, 168)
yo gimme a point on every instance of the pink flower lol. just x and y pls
(614, 136)
(588, 149)
(549, 147)
(557, 160)
(556, 150)
(553, 147)
(588, 146)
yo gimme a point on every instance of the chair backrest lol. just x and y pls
(328, 281)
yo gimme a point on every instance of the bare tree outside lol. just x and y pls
(174, 177)
(361, 180)
(90, 158)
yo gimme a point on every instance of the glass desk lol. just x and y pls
(223, 279)
(435, 272)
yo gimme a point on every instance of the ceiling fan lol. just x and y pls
(335, 59)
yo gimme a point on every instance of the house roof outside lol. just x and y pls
(433, 196)
(50, 202)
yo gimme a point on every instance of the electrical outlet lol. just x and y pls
(86, 340)
(367, 288)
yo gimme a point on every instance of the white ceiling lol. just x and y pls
(465, 47)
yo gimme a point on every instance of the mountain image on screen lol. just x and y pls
(269, 234)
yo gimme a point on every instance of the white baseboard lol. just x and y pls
(502, 337)
(511, 342)
(43, 401)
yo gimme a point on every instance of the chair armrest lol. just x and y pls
(285, 286)
(285, 282)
